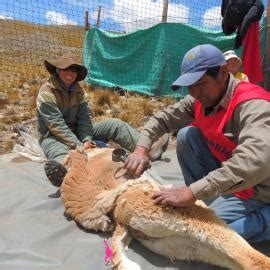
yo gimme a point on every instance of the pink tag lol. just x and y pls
(108, 253)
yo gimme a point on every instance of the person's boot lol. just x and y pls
(55, 172)
(159, 147)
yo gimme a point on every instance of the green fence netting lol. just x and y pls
(147, 61)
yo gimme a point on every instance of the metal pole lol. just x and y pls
(98, 17)
(86, 22)
(165, 11)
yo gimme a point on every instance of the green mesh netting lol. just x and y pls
(147, 61)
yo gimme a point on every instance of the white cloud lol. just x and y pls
(212, 17)
(4, 17)
(58, 18)
(134, 15)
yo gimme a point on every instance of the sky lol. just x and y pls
(116, 15)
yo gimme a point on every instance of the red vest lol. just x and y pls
(212, 126)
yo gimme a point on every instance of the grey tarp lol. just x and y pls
(35, 234)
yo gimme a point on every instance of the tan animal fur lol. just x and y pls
(99, 196)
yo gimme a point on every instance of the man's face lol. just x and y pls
(208, 89)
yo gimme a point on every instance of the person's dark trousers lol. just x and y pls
(250, 218)
(117, 131)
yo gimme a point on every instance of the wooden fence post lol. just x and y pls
(165, 11)
(86, 21)
(98, 17)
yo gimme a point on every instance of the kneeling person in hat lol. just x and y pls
(64, 121)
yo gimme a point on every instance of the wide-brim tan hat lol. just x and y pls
(65, 61)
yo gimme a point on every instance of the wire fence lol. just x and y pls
(34, 30)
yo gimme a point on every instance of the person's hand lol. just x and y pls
(176, 196)
(89, 144)
(138, 161)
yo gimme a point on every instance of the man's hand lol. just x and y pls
(89, 144)
(138, 161)
(176, 196)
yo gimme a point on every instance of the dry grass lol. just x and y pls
(22, 90)
(134, 108)
(8, 145)
(105, 103)
(3, 127)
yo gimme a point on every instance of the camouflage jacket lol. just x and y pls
(63, 115)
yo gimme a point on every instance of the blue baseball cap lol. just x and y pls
(196, 62)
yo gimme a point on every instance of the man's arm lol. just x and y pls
(169, 120)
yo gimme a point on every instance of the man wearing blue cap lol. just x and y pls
(224, 147)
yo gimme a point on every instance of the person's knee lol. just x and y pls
(117, 122)
(187, 135)
(54, 150)
(228, 208)
(254, 227)
(182, 135)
